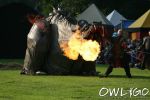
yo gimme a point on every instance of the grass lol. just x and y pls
(14, 86)
(6, 61)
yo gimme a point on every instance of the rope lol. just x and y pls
(143, 52)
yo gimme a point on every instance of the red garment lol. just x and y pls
(118, 52)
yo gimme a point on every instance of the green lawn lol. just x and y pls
(14, 86)
(6, 61)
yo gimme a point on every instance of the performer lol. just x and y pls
(146, 48)
(119, 56)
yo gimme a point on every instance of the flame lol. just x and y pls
(76, 46)
(90, 50)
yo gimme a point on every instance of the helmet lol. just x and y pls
(83, 24)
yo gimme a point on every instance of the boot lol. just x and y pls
(108, 71)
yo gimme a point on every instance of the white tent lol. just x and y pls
(93, 14)
(115, 18)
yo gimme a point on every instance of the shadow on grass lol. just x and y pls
(11, 66)
(133, 77)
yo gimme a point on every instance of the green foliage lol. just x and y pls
(75, 6)
(44, 6)
(23, 87)
(131, 9)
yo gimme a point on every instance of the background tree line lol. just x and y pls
(131, 9)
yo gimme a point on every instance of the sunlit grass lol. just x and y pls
(14, 86)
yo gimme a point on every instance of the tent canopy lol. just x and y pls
(93, 14)
(142, 22)
(115, 18)
(124, 24)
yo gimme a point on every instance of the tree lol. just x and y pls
(131, 9)
(75, 6)
(46, 6)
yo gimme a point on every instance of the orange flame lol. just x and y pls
(76, 45)
(90, 50)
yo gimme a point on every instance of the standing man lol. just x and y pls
(146, 48)
(119, 56)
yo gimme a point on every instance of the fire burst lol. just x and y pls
(76, 46)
